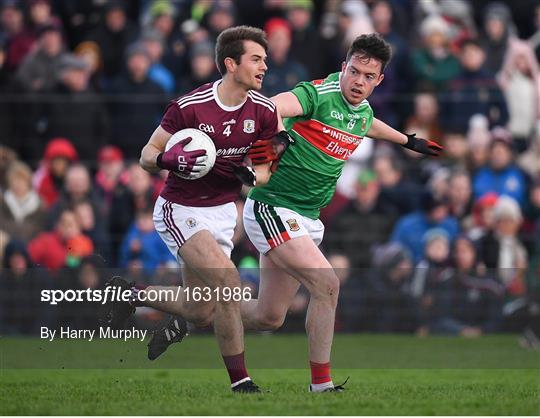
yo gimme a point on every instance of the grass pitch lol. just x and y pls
(389, 375)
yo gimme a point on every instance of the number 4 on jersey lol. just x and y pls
(227, 130)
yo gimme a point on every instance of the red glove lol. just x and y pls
(262, 151)
(269, 150)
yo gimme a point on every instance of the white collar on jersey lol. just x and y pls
(220, 103)
(363, 102)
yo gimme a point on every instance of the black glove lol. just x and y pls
(245, 173)
(423, 146)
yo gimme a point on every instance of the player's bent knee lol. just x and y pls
(270, 322)
(201, 317)
(327, 288)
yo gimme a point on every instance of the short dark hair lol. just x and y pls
(371, 46)
(230, 44)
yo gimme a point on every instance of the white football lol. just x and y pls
(199, 140)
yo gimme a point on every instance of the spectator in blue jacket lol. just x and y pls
(142, 246)
(501, 176)
(411, 228)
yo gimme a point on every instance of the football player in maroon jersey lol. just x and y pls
(196, 218)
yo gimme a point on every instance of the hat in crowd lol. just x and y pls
(137, 48)
(430, 201)
(389, 256)
(73, 62)
(353, 8)
(366, 176)
(499, 11)
(507, 208)
(50, 27)
(10, 4)
(162, 7)
(434, 24)
(60, 147)
(300, 4)
(276, 23)
(225, 6)
(152, 35)
(110, 153)
(15, 247)
(501, 135)
(202, 49)
(435, 234)
(115, 5)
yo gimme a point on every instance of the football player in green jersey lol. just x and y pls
(327, 120)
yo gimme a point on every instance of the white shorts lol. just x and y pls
(176, 224)
(269, 226)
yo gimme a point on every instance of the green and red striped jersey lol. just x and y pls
(326, 135)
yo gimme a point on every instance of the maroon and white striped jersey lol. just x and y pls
(233, 130)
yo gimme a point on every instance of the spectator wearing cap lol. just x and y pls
(154, 43)
(389, 304)
(203, 68)
(22, 211)
(110, 166)
(113, 37)
(433, 63)
(284, 72)
(431, 276)
(474, 91)
(502, 251)
(19, 41)
(49, 178)
(306, 41)
(77, 111)
(39, 70)
(410, 229)
(21, 311)
(365, 222)
(498, 30)
(133, 120)
(501, 175)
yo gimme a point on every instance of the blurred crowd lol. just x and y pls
(448, 245)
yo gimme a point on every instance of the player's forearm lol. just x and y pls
(380, 130)
(148, 160)
(263, 173)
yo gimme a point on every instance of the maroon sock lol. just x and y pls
(135, 301)
(236, 367)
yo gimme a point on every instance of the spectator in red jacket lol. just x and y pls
(49, 178)
(63, 247)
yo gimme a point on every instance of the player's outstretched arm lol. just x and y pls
(155, 146)
(380, 130)
(288, 106)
